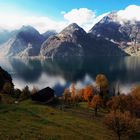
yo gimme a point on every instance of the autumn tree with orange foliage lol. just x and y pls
(135, 93)
(102, 82)
(96, 103)
(70, 96)
(80, 95)
(103, 87)
(118, 103)
(122, 124)
(88, 93)
(74, 97)
(66, 96)
(125, 103)
(73, 90)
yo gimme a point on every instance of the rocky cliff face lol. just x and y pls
(49, 33)
(25, 42)
(66, 43)
(117, 30)
(5, 35)
(74, 41)
(107, 37)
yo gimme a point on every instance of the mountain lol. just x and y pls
(114, 28)
(71, 41)
(49, 33)
(66, 43)
(25, 42)
(5, 35)
(74, 41)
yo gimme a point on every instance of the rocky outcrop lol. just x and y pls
(74, 41)
(117, 30)
(49, 33)
(5, 77)
(66, 43)
(25, 42)
(106, 38)
(4, 35)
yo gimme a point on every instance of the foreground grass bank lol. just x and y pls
(29, 121)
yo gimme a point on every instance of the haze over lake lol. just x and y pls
(60, 73)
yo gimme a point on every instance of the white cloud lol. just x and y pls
(84, 17)
(98, 18)
(87, 27)
(42, 24)
(43, 81)
(132, 12)
(80, 16)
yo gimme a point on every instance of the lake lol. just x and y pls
(59, 74)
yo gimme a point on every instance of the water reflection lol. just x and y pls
(61, 72)
(28, 70)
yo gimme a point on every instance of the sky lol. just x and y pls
(56, 14)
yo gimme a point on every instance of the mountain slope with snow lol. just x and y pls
(121, 31)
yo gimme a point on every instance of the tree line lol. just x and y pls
(15, 93)
(123, 109)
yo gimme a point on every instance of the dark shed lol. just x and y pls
(45, 95)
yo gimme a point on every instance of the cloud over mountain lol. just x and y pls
(84, 17)
(10, 21)
(80, 16)
(132, 12)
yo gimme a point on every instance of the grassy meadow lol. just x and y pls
(30, 121)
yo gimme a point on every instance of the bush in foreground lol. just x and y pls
(122, 124)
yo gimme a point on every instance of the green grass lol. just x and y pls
(29, 121)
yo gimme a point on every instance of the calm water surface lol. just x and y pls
(58, 74)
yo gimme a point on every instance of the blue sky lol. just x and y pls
(53, 9)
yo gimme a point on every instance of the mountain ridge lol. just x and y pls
(112, 35)
(125, 33)
(74, 41)
(24, 42)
